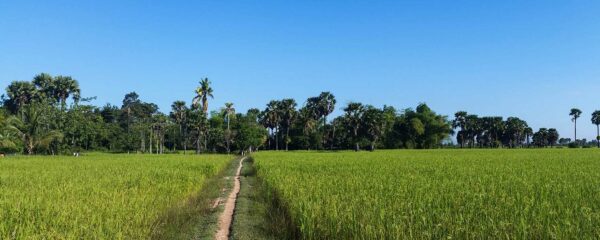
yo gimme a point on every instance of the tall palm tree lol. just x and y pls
(179, 114)
(354, 113)
(596, 121)
(45, 84)
(575, 114)
(460, 121)
(528, 131)
(65, 86)
(227, 112)
(287, 109)
(326, 106)
(203, 92)
(273, 118)
(21, 93)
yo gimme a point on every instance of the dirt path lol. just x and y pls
(226, 218)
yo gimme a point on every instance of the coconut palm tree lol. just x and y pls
(65, 86)
(227, 112)
(203, 92)
(596, 121)
(32, 129)
(575, 114)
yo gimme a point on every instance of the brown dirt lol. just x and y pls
(226, 217)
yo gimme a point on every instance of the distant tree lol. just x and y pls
(374, 124)
(552, 136)
(540, 138)
(198, 122)
(203, 92)
(596, 121)
(287, 111)
(46, 85)
(575, 114)
(227, 112)
(179, 114)
(65, 86)
(271, 118)
(564, 141)
(354, 113)
(528, 134)
(33, 129)
(19, 94)
(460, 121)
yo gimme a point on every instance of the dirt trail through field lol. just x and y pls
(226, 218)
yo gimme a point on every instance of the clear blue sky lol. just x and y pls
(532, 60)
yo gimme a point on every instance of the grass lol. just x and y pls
(258, 215)
(100, 196)
(464, 194)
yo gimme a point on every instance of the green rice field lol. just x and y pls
(460, 194)
(101, 196)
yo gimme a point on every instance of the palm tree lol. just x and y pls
(21, 93)
(32, 129)
(528, 131)
(575, 114)
(596, 121)
(460, 121)
(179, 114)
(287, 110)
(203, 92)
(326, 106)
(45, 84)
(227, 112)
(65, 86)
(354, 113)
(273, 116)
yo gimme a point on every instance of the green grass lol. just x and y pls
(463, 194)
(100, 196)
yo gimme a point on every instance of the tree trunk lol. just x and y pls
(598, 135)
(287, 135)
(276, 138)
(356, 146)
(575, 129)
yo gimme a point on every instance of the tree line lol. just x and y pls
(47, 115)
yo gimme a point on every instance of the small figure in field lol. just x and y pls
(76, 154)
(1, 155)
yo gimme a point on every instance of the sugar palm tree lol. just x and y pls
(575, 114)
(596, 121)
(65, 86)
(354, 113)
(45, 84)
(179, 114)
(227, 112)
(21, 93)
(287, 110)
(203, 92)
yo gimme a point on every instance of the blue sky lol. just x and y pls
(534, 60)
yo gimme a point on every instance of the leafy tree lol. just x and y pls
(540, 138)
(552, 136)
(460, 121)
